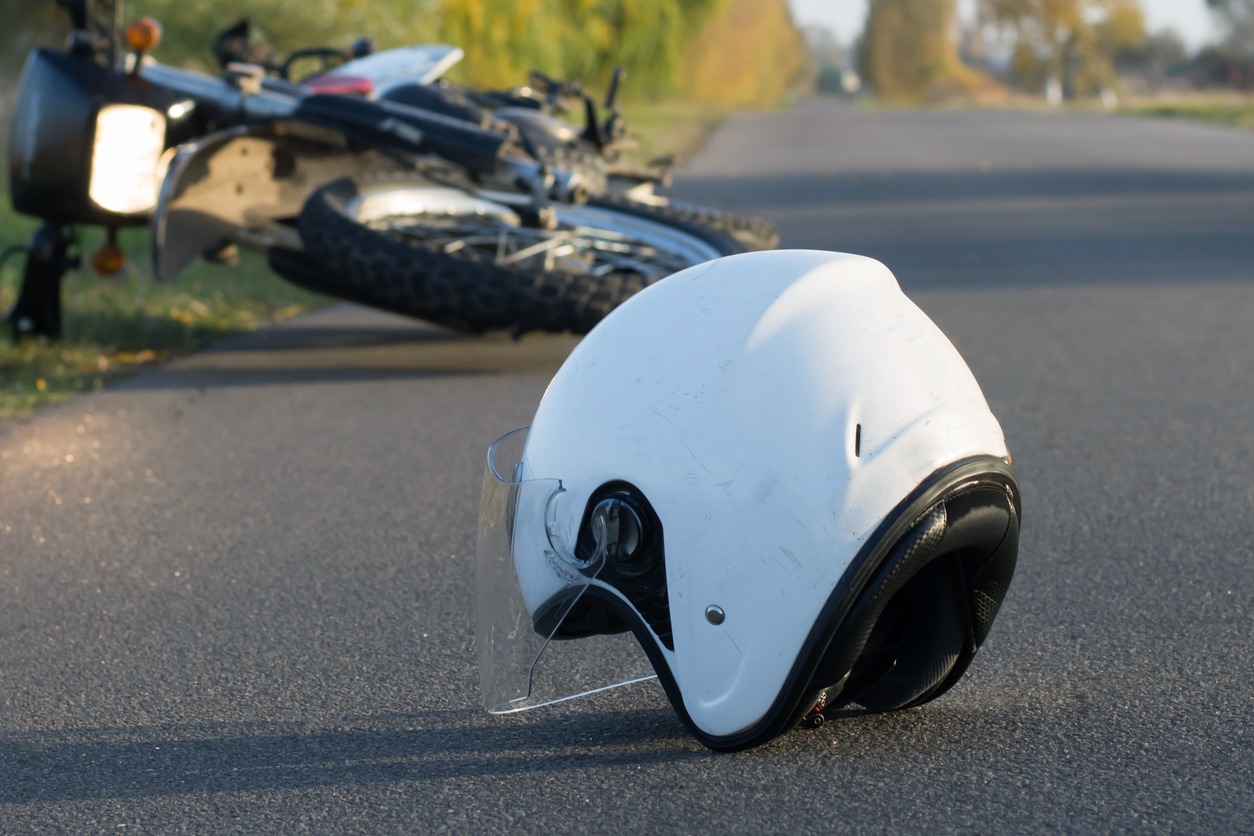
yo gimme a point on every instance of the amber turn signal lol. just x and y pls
(144, 34)
(108, 260)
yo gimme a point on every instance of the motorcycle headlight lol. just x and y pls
(125, 159)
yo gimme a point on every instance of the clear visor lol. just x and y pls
(528, 582)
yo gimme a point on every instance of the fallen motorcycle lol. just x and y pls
(537, 111)
(365, 199)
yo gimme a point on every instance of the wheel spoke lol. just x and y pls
(593, 250)
(546, 246)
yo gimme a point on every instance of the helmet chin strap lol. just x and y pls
(619, 533)
(621, 546)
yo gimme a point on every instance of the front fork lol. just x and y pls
(38, 309)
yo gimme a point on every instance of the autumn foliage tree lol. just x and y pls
(1067, 43)
(735, 51)
(907, 46)
(745, 52)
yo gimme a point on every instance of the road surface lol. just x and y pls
(236, 591)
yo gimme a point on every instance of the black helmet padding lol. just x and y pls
(917, 624)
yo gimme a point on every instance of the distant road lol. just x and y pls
(236, 592)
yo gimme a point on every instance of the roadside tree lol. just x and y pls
(906, 46)
(1237, 18)
(1067, 46)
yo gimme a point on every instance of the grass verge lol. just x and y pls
(114, 326)
(671, 129)
(1232, 110)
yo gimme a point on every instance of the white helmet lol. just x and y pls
(779, 475)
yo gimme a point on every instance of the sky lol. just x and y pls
(1188, 17)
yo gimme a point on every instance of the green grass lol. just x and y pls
(675, 129)
(1231, 111)
(1222, 108)
(111, 327)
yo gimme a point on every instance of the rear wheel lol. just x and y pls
(476, 261)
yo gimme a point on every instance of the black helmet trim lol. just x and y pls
(800, 692)
(923, 616)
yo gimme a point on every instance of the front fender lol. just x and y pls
(244, 186)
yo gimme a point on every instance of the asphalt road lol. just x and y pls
(236, 591)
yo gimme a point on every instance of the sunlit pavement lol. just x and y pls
(236, 591)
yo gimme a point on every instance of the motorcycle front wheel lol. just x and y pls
(754, 233)
(480, 261)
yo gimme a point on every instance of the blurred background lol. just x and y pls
(745, 52)
(753, 52)
(1057, 50)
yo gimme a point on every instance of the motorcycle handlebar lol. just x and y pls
(487, 152)
(221, 93)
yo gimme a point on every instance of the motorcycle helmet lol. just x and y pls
(774, 475)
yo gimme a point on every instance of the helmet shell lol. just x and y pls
(773, 408)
